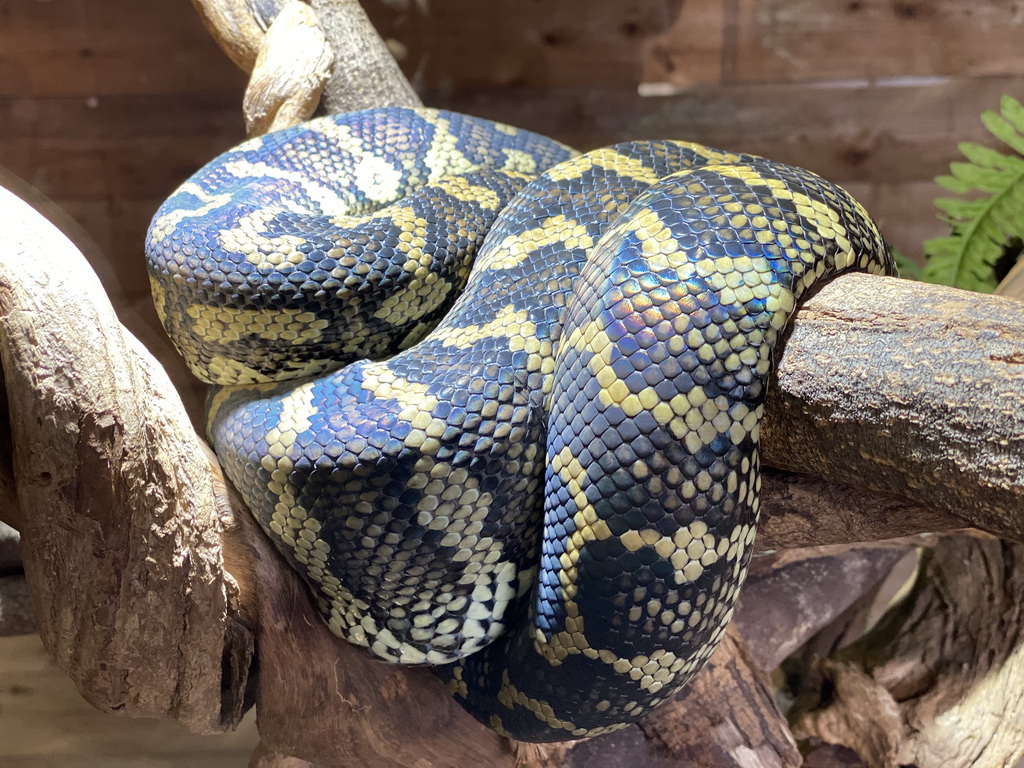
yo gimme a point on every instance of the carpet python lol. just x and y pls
(498, 403)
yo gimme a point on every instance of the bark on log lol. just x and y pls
(943, 674)
(910, 389)
(296, 69)
(805, 511)
(365, 73)
(290, 72)
(120, 521)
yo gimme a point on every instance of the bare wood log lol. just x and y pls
(290, 72)
(804, 511)
(117, 493)
(946, 670)
(365, 73)
(237, 26)
(296, 55)
(910, 389)
(790, 596)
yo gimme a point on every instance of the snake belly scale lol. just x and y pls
(550, 490)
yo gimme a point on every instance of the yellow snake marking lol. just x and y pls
(589, 527)
(421, 296)
(515, 248)
(166, 224)
(442, 156)
(510, 696)
(608, 159)
(506, 129)
(221, 325)
(159, 299)
(457, 685)
(460, 189)
(515, 324)
(330, 203)
(520, 161)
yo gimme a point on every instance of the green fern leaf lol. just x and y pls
(991, 214)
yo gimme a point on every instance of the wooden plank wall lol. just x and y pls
(105, 106)
(874, 94)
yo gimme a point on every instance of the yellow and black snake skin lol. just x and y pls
(550, 491)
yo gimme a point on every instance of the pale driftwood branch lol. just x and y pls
(301, 57)
(365, 73)
(119, 521)
(910, 389)
(290, 72)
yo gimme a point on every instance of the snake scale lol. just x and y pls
(498, 403)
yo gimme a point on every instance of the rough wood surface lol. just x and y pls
(939, 681)
(365, 73)
(791, 595)
(120, 521)
(911, 389)
(290, 72)
(799, 510)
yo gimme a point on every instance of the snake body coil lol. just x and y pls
(594, 392)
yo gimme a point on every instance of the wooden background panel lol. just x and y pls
(844, 39)
(465, 44)
(83, 47)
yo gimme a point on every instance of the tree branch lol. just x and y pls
(120, 523)
(908, 389)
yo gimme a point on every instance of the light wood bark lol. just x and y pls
(120, 520)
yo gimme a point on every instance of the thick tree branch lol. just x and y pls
(120, 522)
(365, 73)
(909, 389)
(938, 681)
(300, 56)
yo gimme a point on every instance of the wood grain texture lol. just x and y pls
(118, 496)
(937, 683)
(933, 378)
(811, 40)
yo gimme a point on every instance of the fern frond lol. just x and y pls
(992, 215)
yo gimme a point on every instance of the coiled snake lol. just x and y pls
(552, 494)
